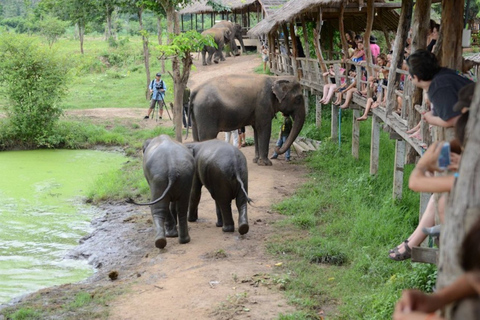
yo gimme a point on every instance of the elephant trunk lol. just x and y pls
(298, 120)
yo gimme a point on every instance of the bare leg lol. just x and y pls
(367, 109)
(330, 94)
(427, 221)
(414, 128)
(339, 99)
(348, 98)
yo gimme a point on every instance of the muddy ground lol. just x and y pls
(215, 276)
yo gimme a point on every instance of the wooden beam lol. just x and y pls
(318, 111)
(398, 170)
(374, 145)
(341, 28)
(425, 255)
(305, 38)
(397, 57)
(334, 124)
(355, 134)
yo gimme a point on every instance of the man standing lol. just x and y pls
(441, 84)
(157, 90)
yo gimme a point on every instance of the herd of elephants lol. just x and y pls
(176, 172)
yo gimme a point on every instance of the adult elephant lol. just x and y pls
(236, 33)
(220, 36)
(230, 102)
(168, 167)
(222, 169)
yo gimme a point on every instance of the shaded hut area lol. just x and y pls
(200, 16)
(313, 41)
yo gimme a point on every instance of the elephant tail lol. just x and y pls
(151, 203)
(250, 201)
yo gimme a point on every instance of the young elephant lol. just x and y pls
(168, 167)
(222, 169)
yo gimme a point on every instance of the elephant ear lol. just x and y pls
(280, 88)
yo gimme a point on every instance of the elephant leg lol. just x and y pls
(241, 202)
(204, 53)
(195, 195)
(263, 140)
(255, 143)
(226, 212)
(219, 222)
(171, 222)
(182, 208)
(159, 212)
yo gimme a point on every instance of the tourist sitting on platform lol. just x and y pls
(359, 53)
(442, 85)
(350, 37)
(346, 85)
(349, 91)
(422, 180)
(374, 100)
(415, 304)
(329, 88)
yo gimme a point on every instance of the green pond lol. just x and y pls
(42, 215)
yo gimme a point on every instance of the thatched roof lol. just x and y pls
(354, 19)
(201, 6)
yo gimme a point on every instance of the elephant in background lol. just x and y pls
(230, 102)
(222, 169)
(236, 33)
(220, 36)
(168, 167)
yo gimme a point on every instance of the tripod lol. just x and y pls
(155, 111)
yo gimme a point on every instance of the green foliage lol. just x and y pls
(52, 28)
(185, 43)
(34, 80)
(25, 314)
(81, 299)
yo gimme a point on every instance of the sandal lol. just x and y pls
(407, 254)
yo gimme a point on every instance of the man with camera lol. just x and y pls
(157, 90)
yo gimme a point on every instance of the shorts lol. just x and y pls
(265, 58)
(160, 104)
(241, 130)
(342, 89)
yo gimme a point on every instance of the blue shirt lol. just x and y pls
(157, 95)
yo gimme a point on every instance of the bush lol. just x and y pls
(34, 80)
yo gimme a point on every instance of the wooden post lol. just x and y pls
(451, 33)
(397, 57)
(294, 50)
(355, 133)
(374, 145)
(366, 37)
(334, 125)
(398, 170)
(306, 98)
(461, 212)
(305, 38)
(341, 28)
(316, 43)
(318, 111)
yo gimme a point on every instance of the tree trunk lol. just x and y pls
(108, 26)
(462, 211)
(81, 32)
(366, 39)
(181, 73)
(159, 32)
(341, 28)
(146, 55)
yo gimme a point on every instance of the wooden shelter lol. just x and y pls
(247, 13)
(328, 16)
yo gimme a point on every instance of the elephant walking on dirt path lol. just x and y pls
(168, 167)
(222, 169)
(230, 102)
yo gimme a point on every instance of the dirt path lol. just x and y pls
(215, 276)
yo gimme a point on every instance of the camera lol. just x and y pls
(158, 88)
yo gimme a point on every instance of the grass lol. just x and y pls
(348, 226)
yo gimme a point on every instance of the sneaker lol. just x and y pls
(287, 160)
(274, 157)
(146, 117)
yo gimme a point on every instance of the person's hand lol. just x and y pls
(429, 160)
(413, 301)
(428, 116)
(454, 161)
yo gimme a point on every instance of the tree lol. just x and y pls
(52, 28)
(180, 51)
(34, 81)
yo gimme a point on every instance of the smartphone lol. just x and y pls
(444, 157)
